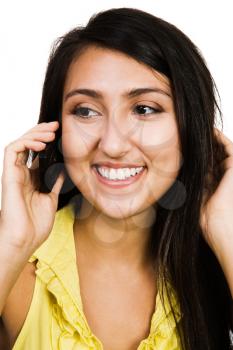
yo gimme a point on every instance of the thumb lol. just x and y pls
(58, 184)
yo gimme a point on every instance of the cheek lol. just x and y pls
(155, 135)
(167, 162)
(160, 143)
(77, 141)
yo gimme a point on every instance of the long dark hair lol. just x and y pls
(185, 260)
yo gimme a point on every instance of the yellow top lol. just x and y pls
(55, 320)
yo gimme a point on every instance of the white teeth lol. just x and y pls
(112, 174)
(134, 171)
(127, 172)
(119, 174)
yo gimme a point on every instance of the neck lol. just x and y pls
(113, 243)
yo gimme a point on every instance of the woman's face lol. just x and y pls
(106, 121)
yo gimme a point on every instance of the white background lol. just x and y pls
(28, 29)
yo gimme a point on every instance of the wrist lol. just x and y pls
(10, 253)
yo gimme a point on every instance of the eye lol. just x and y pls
(83, 112)
(88, 113)
(141, 109)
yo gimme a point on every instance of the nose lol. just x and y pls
(114, 140)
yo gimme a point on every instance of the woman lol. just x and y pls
(123, 229)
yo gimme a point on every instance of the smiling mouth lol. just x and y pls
(118, 183)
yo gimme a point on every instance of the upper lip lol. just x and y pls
(118, 165)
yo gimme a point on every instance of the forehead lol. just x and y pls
(99, 68)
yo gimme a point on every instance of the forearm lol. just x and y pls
(12, 262)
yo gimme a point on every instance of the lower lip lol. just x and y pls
(118, 183)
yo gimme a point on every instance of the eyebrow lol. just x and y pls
(131, 93)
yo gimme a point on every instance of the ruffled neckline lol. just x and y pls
(57, 268)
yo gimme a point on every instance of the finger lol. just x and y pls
(228, 144)
(42, 136)
(58, 184)
(47, 135)
(227, 163)
(45, 126)
(13, 150)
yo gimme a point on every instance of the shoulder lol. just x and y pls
(18, 302)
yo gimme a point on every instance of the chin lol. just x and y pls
(117, 209)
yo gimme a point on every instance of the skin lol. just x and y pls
(216, 214)
(114, 224)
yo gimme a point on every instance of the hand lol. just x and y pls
(217, 214)
(27, 215)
